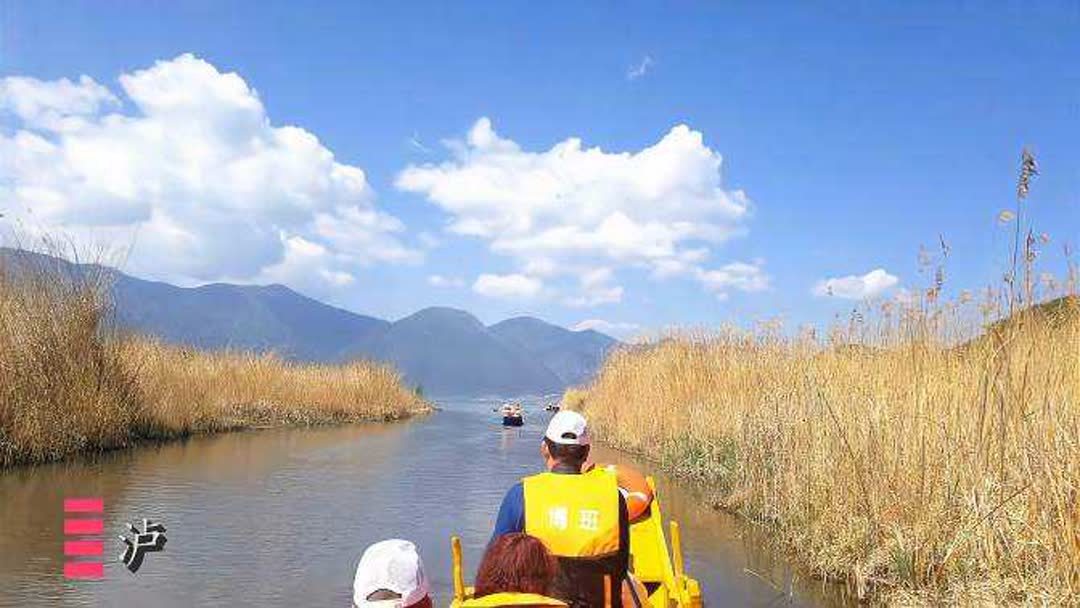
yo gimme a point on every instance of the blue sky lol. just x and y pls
(849, 136)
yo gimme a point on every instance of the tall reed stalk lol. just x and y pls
(70, 384)
(924, 451)
(916, 469)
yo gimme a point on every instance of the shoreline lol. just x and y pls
(140, 442)
(712, 497)
(72, 382)
(911, 473)
(804, 579)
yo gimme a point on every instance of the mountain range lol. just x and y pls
(443, 351)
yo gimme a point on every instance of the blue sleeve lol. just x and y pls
(511, 513)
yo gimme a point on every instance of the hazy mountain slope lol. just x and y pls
(263, 318)
(574, 356)
(448, 352)
(220, 315)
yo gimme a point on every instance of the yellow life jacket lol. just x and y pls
(512, 599)
(575, 515)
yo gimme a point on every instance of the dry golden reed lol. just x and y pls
(912, 468)
(68, 384)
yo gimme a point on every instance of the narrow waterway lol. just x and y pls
(280, 517)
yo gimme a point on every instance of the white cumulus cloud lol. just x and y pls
(573, 210)
(603, 325)
(55, 105)
(596, 288)
(507, 286)
(855, 287)
(192, 169)
(736, 275)
(438, 280)
(618, 329)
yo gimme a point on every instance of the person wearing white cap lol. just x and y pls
(391, 575)
(580, 516)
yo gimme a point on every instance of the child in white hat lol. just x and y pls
(391, 575)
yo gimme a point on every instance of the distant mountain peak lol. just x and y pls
(278, 288)
(573, 356)
(447, 351)
(526, 320)
(443, 314)
(443, 311)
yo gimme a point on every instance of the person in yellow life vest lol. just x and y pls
(580, 517)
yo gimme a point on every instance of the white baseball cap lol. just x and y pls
(568, 428)
(393, 565)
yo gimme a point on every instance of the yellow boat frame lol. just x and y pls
(662, 573)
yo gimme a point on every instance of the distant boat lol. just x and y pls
(512, 414)
(552, 407)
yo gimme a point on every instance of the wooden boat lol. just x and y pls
(660, 571)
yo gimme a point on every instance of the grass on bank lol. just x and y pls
(69, 384)
(907, 466)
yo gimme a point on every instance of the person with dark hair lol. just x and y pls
(517, 570)
(581, 517)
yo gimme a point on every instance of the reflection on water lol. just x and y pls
(280, 517)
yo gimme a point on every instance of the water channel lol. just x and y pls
(280, 517)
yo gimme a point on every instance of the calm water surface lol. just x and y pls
(280, 517)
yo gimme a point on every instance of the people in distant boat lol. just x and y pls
(391, 575)
(511, 409)
(581, 517)
(512, 414)
(517, 570)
